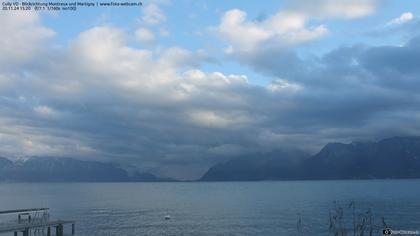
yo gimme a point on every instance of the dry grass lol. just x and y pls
(347, 220)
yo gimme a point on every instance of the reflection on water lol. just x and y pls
(231, 208)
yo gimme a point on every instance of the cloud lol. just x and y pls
(289, 27)
(404, 18)
(153, 15)
(144, 35)
(223, 119)
(22, 37)
(284, 85)
(337, 9)
(403, 27)
(45, 111)
(283, 28)
(100, 97)
(111, 93)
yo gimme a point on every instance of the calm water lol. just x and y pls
(232, 208)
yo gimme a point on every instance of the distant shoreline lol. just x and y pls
(204, 181)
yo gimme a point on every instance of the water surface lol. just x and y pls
(228, 208)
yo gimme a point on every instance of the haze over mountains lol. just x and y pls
(397, 157)
(49, 169)
(262, 166)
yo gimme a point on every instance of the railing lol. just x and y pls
(34, 220)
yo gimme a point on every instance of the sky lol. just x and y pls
(173, 87)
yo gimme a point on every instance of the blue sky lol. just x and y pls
(190, 25)
(173, 87)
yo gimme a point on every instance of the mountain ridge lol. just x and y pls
(396, 157)
(65, 169)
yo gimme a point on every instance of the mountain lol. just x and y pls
(5, 164)
(49, 169)
(260, 166)
(397, 157)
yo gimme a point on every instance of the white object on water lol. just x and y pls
(167, 216)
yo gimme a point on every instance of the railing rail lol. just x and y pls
(37, 222)
(23, 210)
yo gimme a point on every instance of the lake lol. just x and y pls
(217, 208)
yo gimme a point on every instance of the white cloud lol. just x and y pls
(22, 36)
(214, 79)
(25, 141)
(217, 119)
(283, 28)
(284, 86)
(153, 15)
(46, 112)
(334, 8)
(404, 18)
(289, 26)
(245, 35)
(349, 9)
(102, 51)
(144, 35)
(209, 118)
